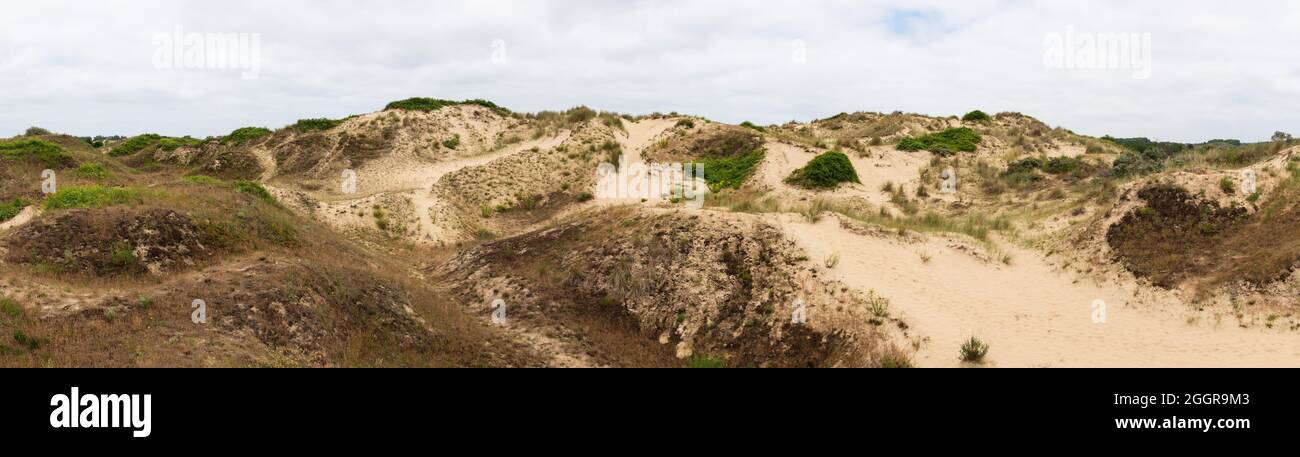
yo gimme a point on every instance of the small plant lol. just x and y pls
(925, 258)
(833, 261)
(10, 308)
(11, 209)
(315, 125)
(1228, 186)
(485, 211)
(204, 179)
(91, 197)
(974, 350)
(750, 125)
(255, 189)
(36, 131)
(452, 143)
(944, 143)
(27, 341)
(47, 153)
(145, 302)
(976, 116)
(585, 197)
(92, 170)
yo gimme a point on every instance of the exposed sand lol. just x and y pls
(882, 165)
(22, 218)
(1032, 315)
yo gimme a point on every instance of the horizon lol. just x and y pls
(1194, 75)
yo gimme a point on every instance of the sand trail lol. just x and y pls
(1030, 314)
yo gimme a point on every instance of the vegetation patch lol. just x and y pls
(943, 143)
(92, 171)
(976, 116)
(172, 144)
(134, 145)
(91, 197)
(245, 134)
(434, 104)
(9, 210)
(255, 189)
(45, 152)
(825, 171)
(316, 124)
(730, 172)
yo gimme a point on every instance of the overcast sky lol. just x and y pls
(1218, 69)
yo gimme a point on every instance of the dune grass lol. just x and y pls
(9, 210)
(91, 197)
(47, 153)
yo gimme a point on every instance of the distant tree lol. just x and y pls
(1281, 136)
(36, 131)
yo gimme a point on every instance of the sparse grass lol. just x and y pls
(706, 361)
(750, 125)
(205, 180)
(833, 260)
(92, 171)
(47, 153)
(10, 308)
(974, 350)
(826, 171)
(91, 197)
(452, 143)
(1228, 186)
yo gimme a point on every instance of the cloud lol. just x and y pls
(1218, 70)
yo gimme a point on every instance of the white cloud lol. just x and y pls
(1219, 70)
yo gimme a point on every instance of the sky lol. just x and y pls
(1216, 69)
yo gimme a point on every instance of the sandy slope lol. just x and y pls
(1031, 315)
(882, 165)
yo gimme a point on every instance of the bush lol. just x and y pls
(1228, 186)
(1134, 164)
(246, 134)
(750, 125)
(134, 145)
(11, 209)
(1062, 165)
(315, 125)
(585, 197)
(730, 172)
(255, 189)
(825, 171)
(172, 144)
(974, 350)
(10, 308)
(434, 104)
(36, 131)
(1026, 165)
(47, 153)
(91, 197)
(943, 143)
(452, 143)
(976, 116)
(204, 179)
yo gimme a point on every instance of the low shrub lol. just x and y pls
(47, 153)
(11, 209)
(825, 171)
(134, 145)
(91, 197)
(246, 134)
(974, 350)
(976, 116)
(730, 172)
(943, 143)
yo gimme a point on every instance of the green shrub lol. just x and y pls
(1026, 165)
(172, 144)
(36, 131)
(750, 125)
(134, 145)
(943, 143)
(1228, 186)
(315, 125)
(11, 209)
(976, 116)
(246, 134)
(585, 197)
(434, 104)
(92, 170)
(452, 143)
(47, 153)
(825, 171)
(91, 197)
(27, 341)
(1134, 164)
(1062, 165)
(730, 172)
(974, 350)
(255, 189)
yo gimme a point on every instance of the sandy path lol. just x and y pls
(1031, 315)
(641, 135)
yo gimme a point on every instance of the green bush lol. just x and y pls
(943, 143)
(1062, 165)
(1134, 164)
(976, 116)
(750, 125)
(255, 189)
(10, 308)
(452, 143)
(47, 153)
(434, 104)
(974, 350)
(135, 144)
(825, 171)
(172, 144)
(316, 125)
(36, 131)
(91, 197)
(1025, 165)
(11, 209)
(730, 172)
(246, 134)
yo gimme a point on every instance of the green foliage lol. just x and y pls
(943, 143)
(91, 197)
(316, 125)
(11, 209)
(92, 170)
(750, 125)
(134, 145)
(36, 131)
(255, 189)
(172, 144)
(27, 341)
(452, 143)
(974, 350)
(730, 172)
(825, 171)
(585, 197)
(10, 308)
(1134, 164)
(1228, 186)
(1062, 165)
(434, 104)
(976, 116)
(246, 134)
(1026, 165)
(47, 153)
